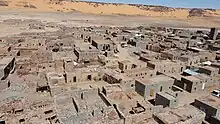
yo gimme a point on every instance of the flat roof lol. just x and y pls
(174, 115)
(167, 95)
(209, 68)
(163, 61)
(82, 46)
(155, 79)
(215, 64)
(190, 55)
(133, 61)
(113, 88)
(202, 76)
(210, 100)
(26, 48)
(174, 75)
(116, 75)
(125, 61)
(191, 78)
(103, 41)
(148, 121)
(139, 70)
(168, 117)
(6, 60)
(146, 53)
(2, 67)
(174, 51)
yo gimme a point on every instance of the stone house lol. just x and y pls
(113, 77)
(195, 83)
(177, 42)
(209, 105)
(207, 56)
(23, 51)
(206, 80)
(171, 54)
(186, 114)
(83, 75)
(166, 66)
(149, 87)
(140, 73)
(214, 47)
(97, 110)
(146, 55)
(86, 106)
(6, 66)
(191, 59)
(142, 44)
(46, 66)
(209, 70)
(33, 43)
(41, 55)
(126, 65)
(167, 98)
(86, 54)
(104, 45)
(54, 78)
(154, 47)
(129, 109)
(183, 33)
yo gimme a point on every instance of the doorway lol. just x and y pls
(161, 88)
(74, 79)
(89, 77)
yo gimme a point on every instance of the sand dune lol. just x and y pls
(104, 8)
(111, 9)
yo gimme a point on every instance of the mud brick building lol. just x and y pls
(149, 87)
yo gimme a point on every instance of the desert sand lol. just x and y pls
(152, 14)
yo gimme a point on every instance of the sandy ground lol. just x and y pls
(97, 14)
(102, 8)
(106, 14)
(109, 14)
(79, 19)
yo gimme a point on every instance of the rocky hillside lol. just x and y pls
(107, 8)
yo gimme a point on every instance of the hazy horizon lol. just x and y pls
(215, 4)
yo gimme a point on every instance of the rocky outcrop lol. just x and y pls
(196, 12)
(3, 3)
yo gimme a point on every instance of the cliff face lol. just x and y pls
(107, 8)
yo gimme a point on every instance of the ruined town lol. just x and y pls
(109, 75)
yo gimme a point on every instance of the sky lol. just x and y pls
(215, 4)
